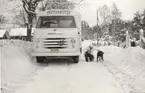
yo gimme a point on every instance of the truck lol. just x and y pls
(57, 35)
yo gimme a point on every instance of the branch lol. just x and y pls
(25, 5)
(59, 3)
(36, 1)
(79, 1)
(46, 4)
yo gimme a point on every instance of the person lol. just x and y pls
(88, 54)
(109, 43)
(100, 55)
(133, 44)
(118, 43)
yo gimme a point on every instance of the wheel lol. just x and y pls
(40, 59)
(76, 59)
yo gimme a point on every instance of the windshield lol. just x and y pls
(56, 22)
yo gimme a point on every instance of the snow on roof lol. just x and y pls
(2, 32)
(19, 31)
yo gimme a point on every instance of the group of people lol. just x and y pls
(89, 54)
(102, 43)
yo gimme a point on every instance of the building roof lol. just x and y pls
(2, 32)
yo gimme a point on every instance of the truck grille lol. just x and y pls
(57, 43)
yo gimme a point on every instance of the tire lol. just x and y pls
(40, 59)
(76, 59)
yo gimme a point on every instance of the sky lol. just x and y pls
(89, 7)
(127, 7)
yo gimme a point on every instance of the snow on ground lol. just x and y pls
(17, 68)
(75, 78)
(121, 72)
(128, 65)
(18, 71)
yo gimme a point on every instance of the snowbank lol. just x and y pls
(17, 67)
(127, 65)
(131, 63)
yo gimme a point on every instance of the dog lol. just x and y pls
(100, 55)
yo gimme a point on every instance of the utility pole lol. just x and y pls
(97, 21)
(97, 18)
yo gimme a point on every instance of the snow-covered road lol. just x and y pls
(21, 74)
(83, 77)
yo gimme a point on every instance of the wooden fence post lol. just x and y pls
(127, 40)
(141, 35)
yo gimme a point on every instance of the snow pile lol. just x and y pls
(127, 65)
(83, 77)
(130, 63)
(17, 68)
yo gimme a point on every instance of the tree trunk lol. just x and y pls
(29, 30)
(29, 27)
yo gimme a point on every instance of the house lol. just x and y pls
(19, 33)
(4, 34)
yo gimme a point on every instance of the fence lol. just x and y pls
(140, 42)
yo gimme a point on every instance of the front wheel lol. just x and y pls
(76, 59)
(40, 59)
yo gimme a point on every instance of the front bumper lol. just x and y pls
(55, 54)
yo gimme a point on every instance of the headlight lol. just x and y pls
(37, 43)
(73, 41)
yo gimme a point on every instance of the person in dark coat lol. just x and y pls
(133, 44)
(88, 54)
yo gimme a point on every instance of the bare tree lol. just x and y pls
(105, 19)
(115, 17)
(58, 4)
(20, 18)
(30, 7)
(104, 14)
(115, 13)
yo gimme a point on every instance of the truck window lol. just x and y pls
(56, 22)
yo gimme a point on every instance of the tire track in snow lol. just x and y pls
(72, 78)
